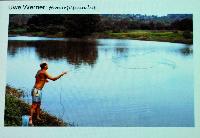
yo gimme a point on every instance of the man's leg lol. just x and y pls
(33, 107)
(38, 111)
(32, 111)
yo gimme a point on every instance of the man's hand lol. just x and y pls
(63, 73)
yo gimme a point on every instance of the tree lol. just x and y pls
(81, 25)
(185, 24)
(43, 22)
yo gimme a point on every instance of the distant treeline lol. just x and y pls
(148, 23)
(84, 24)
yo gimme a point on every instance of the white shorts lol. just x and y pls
(36, 95)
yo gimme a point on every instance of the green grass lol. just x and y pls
(17, 31)
(12, 111)
(151, 35)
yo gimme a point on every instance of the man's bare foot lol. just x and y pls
(30, 122)
(38, 118)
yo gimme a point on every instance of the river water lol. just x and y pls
(110, 82)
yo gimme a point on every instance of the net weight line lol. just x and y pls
(144, 64)
(136, 55)
(60, 101)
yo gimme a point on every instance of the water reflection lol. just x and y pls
(75, 52)
(186, 51)
(121, 50)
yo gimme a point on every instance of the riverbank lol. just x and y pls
(151, 35)
(173, 36)
(15, 107)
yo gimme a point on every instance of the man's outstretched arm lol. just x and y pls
(54, 78)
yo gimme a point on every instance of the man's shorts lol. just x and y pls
(36, 96)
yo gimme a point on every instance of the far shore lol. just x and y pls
(146, 35)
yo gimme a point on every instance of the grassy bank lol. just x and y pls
(15, 108)
(151, 35)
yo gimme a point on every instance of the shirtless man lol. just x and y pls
(40, 79)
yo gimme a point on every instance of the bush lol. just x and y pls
(81, 25)
(34, 28)
(175, 31)
(187, 35)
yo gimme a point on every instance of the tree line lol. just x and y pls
(79, 25)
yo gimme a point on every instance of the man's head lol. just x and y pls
(44, 66)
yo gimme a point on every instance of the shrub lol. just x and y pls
(187, 34)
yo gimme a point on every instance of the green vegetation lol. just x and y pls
(150, 35)
(170, 28)
(18, 30)
(15, 108)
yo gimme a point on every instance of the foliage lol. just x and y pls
(169, 36)
(187, 34)
(15, 108)
(185, 24)
(46, 23)
(123, 23)
(12, 111)
(81, 25)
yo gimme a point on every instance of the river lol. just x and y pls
(110, 82)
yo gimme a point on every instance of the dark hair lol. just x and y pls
(42, 65)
